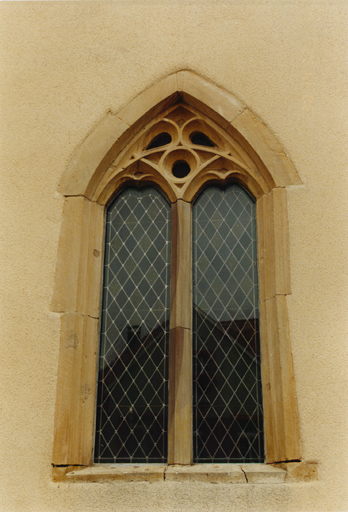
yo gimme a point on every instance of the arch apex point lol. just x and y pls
(201, 93)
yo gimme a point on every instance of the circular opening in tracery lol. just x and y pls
(181, 169)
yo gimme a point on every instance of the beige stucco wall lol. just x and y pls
(63, 66)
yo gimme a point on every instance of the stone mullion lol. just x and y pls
(180, 353)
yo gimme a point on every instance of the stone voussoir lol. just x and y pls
(265, 144)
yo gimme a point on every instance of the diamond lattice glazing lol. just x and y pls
(227, 396)
(133, 361)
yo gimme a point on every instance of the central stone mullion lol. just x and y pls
(180, 352)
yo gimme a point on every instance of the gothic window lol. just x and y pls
(187, 289)
(207, 343)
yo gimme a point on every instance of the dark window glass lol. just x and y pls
(227, 396)
(181, 169)
(160, 140)
(133, 361)
(201, 139)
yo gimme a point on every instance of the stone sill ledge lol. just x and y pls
(208, 473)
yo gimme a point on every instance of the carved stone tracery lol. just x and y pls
(194, 139)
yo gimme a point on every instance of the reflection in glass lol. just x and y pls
(133, 361)
(227, 398)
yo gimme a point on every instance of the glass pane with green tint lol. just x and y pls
(227, 396)
(132, 401)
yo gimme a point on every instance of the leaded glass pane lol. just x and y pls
(133, 361)
(227, 397)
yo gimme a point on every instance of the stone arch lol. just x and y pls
(88, 184)
(105, 142)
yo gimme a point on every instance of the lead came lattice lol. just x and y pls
(133, 361)
(227, 396)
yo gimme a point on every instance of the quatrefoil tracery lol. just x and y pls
(180, 152)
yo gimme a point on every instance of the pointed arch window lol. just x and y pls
(211, 408)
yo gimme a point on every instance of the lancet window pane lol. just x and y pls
(132, 398)
(227, 396)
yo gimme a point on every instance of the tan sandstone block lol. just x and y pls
(281, 241)
(83, 168)
(149, 103)
(262, 230)
(273, 244)
(180, 358)
(74, 420)
(66, 278)
(263, 474)
(211, 100)
(301, 471)
(91, 260)
(180, 397)
(211, 473)
(125, 473)
(265, 144)
(180, 78)
(279, 392)
(181, 266)
(79, 264)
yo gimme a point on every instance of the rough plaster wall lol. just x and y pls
(64, 65)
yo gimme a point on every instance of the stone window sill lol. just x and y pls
(208, 473)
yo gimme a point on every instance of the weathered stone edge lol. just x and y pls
(208, 473)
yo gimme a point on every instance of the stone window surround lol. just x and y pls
(79, 267)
